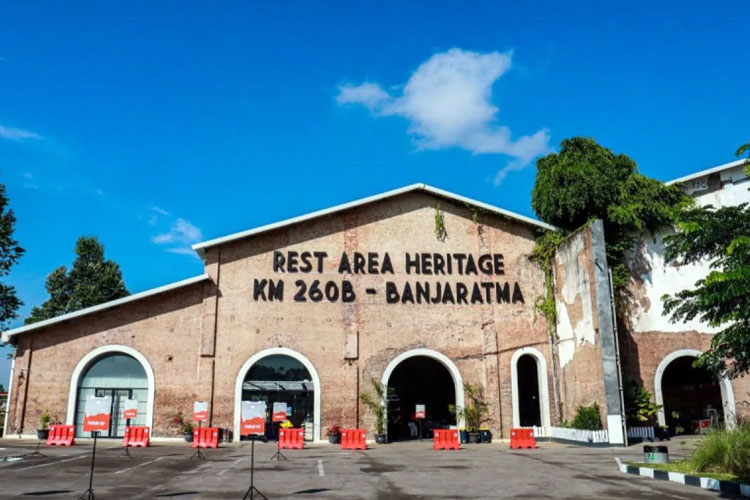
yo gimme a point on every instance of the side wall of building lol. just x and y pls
(585, 329)
(164, 329)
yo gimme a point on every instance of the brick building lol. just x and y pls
(418, 288)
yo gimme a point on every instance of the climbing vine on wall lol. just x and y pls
(544, 255)
(440, 232)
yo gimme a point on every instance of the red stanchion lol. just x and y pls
(136, 437)
(445, 439)
(292, 439)
(522, 438)
(206, 437)
(61, 435)
(353, 439)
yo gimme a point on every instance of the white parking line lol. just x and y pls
(55, 463)
(139, 465)
(321, 472)
(231, 465)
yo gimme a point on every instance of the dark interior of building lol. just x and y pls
(419, 380)
(691, 395)
(528, 392)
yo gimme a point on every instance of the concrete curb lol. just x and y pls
(707, 483)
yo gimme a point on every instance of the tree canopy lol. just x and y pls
(586, 181)
(10, 252)
(91, 280)
(722, 298)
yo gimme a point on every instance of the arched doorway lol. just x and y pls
(421, 376)
(114, 370)
(529, 386)
(529, 411)
(689, 394)
(281, 375)
(119, 376)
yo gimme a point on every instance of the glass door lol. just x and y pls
(116, 422)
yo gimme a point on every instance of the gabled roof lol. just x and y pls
(708, 171)
(101, 307)
(200, 247)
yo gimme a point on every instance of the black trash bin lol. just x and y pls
(486, 435)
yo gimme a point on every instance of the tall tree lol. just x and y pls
(10, 252)
(721, 299)
(92, 280)
(587, 181)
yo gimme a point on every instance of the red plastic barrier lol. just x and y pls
(137, 437)
(292, 439)
(61, 435)
(445, 439)
(522, 438)
(353, 439)
(206, 437)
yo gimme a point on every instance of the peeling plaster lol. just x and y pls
(657, 279)
(576, 287)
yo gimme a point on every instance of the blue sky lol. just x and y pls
(155, 125)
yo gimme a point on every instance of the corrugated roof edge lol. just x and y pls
(708, 171)
(5, 337)
(200, 247)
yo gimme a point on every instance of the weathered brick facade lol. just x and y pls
(198, 337)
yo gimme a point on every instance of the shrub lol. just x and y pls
(725, 451)
(587, 418)
(377, 402)
(476, 411)
(639, 408)
(44, 419)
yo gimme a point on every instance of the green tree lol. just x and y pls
(586, 181)
(639, 407)
(721, 299)
(92, 280)
(10, 252)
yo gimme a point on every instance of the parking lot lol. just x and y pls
(393, 471)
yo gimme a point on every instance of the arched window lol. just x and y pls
(119, 376)
(282, 378)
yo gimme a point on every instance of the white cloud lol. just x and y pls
(447, 102)
(17, 134)
(182, 233)
(160, 211)
(183, 251)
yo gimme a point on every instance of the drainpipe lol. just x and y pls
(10, 395)
(617, 359)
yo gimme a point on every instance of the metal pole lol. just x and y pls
(252, 466)
(617, 358)
(93, 457)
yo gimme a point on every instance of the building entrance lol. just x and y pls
(691, 395)
(419, 380)
(280, 378)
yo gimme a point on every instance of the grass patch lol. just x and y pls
(721, 454)
(686, 467)
(724, 451)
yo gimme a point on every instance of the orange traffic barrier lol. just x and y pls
(206, 437)
(137, 437)
(353, 439)
(445, 439)
(522, 438)
(61, 435)
(292, 439)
